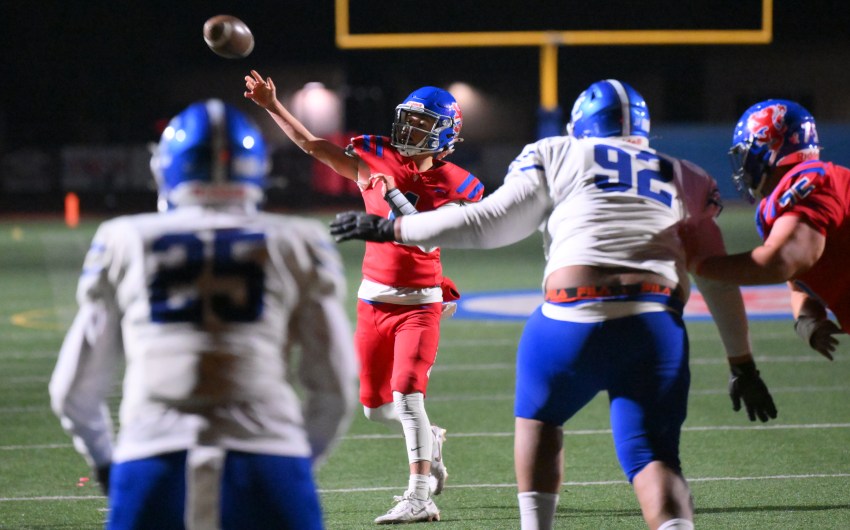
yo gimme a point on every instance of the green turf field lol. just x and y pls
(791, 473)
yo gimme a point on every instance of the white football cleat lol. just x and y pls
(409, 509)
(439, 473)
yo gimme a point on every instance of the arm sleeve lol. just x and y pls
(510, 214)
(726, 305)
(328, 366)
(724, 300)
(86, 367)
(399, 204)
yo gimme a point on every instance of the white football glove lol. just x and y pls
(818, 333)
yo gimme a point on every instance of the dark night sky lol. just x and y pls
(102, 71)
(68, 63)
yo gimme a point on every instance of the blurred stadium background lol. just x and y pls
(87, 86)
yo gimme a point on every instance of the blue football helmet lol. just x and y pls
(438, 106)
(610, 108)
(210, 154)
(775, 132)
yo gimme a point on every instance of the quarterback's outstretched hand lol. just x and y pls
(260, 91)
(818, 333)
(362, 225)
(745, 384)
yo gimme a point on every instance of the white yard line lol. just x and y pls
(585, 432)
(568, 432)
(605, 482)
(508, 397)
(704, 361)
(487, 486)
(623, 482)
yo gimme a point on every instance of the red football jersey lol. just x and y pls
(401, 265)
(818, 192)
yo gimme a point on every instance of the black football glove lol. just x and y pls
(746, 384)
(362, 225)
(818, 333)
(103, 478)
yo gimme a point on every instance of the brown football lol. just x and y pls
(228, 36)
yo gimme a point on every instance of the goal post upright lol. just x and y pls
(548, 43)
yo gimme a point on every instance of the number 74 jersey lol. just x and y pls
(819, 193)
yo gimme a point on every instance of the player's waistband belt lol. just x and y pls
(624, 292)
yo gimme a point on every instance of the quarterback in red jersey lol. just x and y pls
(803, 216)
(403, 292)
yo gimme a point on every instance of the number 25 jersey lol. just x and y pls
(211, 305)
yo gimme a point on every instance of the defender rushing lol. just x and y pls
(615, 286)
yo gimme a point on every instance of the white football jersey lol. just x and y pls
(222, 320)
(598, 201)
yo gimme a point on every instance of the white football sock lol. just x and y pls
(677, 524)
(419, 487)
(537, 510)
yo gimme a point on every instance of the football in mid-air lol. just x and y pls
(228, 36)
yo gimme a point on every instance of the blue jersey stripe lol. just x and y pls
(475, 191)
(373, 144)
(470, 179)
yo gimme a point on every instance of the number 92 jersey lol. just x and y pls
(209, 305)
(616, 203)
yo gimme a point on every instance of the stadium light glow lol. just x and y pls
(318, 108)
